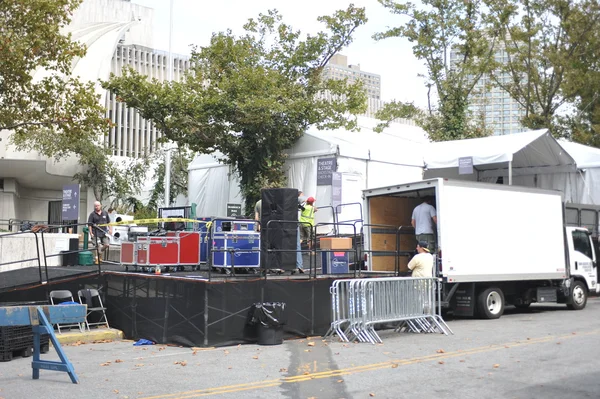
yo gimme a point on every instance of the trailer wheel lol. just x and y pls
(490, 303)
(578, 296)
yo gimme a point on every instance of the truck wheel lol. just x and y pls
(490, 303)
(578, 296)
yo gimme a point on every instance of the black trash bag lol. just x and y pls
(265, 323)
(268, 314)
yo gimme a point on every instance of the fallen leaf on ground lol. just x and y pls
(118, 361)
(183, 363)
(558, 343)
(282, 370)
(441, 351)
(306, 373)
(496, 366)
(254, 357)
(462, 361)
(311, 344)
(441, 362)
(139, 365)
(162, 348)
(105, 364)
(394, 365)
(115, 390)
(306, 350)
(194, 352)
(340, 381)
(371, 394)
(226, 352)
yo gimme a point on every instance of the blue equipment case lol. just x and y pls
(335, 262)
(246, 247)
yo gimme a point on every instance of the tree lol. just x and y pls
(57, 113)
(550, 46)
(252, 96)
(435, 28)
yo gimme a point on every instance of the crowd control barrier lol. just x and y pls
(358, 305)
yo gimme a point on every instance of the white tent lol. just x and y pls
(365, 159)
(524, 154)
(581, 186)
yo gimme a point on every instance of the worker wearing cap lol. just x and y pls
(307, 220)
(422, 263)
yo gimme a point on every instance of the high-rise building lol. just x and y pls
(338, 68)
(499, 111)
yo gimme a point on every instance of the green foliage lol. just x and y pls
(552, 48)
(434, 28)
(57, 113)
(252, 96)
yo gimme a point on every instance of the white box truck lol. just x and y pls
(497, 245)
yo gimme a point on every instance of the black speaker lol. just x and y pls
(284, 242)
(279, 204)
(71, 259)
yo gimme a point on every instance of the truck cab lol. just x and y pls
(583, 265)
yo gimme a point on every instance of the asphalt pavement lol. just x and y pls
(546, 351)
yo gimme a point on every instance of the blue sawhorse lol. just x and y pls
(41, 319)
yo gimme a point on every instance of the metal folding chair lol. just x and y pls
(63, 296)
(91, 298)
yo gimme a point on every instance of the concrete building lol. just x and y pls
(500, 112)
(338, 68)
(116, 33)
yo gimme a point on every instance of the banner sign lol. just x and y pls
(336, 191)
(465, 166)
(70, 202)
(234, 210)
(325, 169)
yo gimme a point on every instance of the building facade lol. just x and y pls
(116, 33)
(498, 110)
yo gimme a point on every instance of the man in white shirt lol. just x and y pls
(422, 263)
(424, 219)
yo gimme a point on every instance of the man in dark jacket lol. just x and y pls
(96, 218)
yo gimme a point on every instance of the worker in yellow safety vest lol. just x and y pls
(307, 221)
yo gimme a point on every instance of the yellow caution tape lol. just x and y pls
(152, 221)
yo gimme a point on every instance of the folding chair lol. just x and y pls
(91, 298)
(63, 296)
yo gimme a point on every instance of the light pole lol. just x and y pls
(167, 179)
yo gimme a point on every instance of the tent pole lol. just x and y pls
(510, 173)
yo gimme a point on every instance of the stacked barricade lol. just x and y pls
(358, 305)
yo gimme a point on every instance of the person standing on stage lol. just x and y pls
(307, 221)
(96, 218)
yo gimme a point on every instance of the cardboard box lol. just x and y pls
(336, 243)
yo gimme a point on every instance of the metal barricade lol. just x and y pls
(358, 305)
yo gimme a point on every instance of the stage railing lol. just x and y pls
(358, 305)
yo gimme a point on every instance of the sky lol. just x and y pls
(194, 21)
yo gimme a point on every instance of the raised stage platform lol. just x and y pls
(185, 308)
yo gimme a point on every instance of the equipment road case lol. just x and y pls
(238, 249)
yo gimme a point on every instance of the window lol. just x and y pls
(581, 243)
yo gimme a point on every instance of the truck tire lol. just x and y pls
(490, 303)
(578, 296)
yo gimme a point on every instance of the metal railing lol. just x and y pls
(359, 305)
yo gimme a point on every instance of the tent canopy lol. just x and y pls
(585, 156)
(399, 144)
(525, 153)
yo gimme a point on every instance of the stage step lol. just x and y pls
(88, 337)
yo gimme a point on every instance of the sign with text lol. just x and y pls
(465, 166)
(325, 169)
(70, 202)
(336, 191)
(234, 210)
